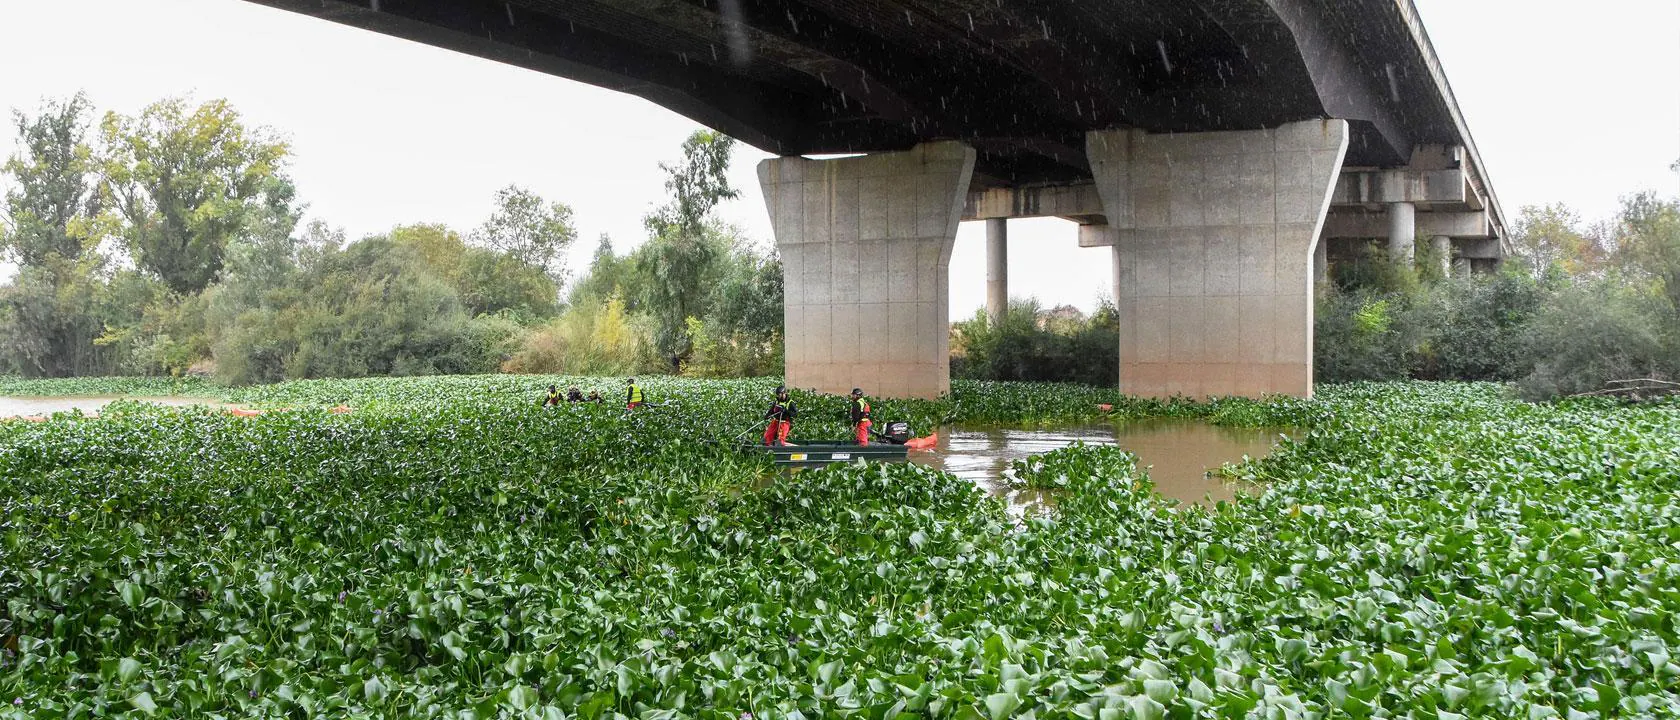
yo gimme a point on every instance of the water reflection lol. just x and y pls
(28, 405)
(1179, 455)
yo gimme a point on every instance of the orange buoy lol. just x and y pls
(923, 443)
(1105, 407)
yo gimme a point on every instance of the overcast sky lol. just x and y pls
(1569, 101)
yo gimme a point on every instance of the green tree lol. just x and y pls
(48, 210)
(54, 311)
(489, 281)
(528, 230)
(1648, 236)
(674, 265)
(1551, 240)
(186, 183)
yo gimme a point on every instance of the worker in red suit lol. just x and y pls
(780, 415)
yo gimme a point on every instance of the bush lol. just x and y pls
(1480, 327)
(1595, 332)
(1031, 344)
(591, 338)
(1364, 335)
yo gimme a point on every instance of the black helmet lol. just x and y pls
(631, 381)
(857, 391)
(781, 389)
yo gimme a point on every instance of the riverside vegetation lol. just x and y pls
(452, 550)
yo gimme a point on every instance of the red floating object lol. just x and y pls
(923, 443)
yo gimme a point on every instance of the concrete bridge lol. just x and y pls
(1219, 147)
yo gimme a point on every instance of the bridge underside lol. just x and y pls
(1021, 83)
(1211, 143)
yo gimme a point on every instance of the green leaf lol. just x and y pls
(1001, 705)
(143, 702)
(1146, 708)
(128, 669)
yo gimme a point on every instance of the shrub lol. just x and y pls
(1031, 344)
(1595, 332)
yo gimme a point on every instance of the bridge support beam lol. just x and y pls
(997, 269)
(866, 245)
(1215, 237)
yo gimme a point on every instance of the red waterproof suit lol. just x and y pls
(780, 415)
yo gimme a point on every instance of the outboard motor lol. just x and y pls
(896, 432)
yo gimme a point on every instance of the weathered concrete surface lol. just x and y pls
(1402, 232)
(1215, 235)
(997, 268)
(866, 246)
(1356, 224)
(1441, 248)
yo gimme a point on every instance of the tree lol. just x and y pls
(527, 230)
(675, 262)
(1648, 236)
(54, 311)
(697, 184)
(187, 183)
(47, 212)
(1551, 239)
(489, 281)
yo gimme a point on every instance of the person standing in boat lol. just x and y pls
(632, 395)
(780, 415)
(860, 416)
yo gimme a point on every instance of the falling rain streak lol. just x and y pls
(735, 33)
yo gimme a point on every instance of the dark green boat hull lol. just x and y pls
(807, 454)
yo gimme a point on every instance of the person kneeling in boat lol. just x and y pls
(860, 416)
(574, 395)
(553, 398)
(780, 415)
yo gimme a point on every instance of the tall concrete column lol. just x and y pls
(997, 268)
(1321, 263)
(1215, 236)
(1402, 232)
(866, 244)
(1441, 247)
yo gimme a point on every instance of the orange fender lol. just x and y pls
(1105, 407)
(340, 409)
(242, 412)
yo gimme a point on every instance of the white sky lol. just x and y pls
(1569, 101)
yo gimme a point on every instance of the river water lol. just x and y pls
(27, 405)
(1178, 454)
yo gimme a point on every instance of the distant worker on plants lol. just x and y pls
(595, 397)
(780, 415)
(632, 394)
(553, 397)
(860, 416)
(574, 395)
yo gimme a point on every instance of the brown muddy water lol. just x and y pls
(1179, 455)
(32, 405)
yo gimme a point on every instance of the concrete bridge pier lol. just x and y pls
(866, 245)
(997, 269)
(1402, 233)
(1441, 247)
(1215, 239)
